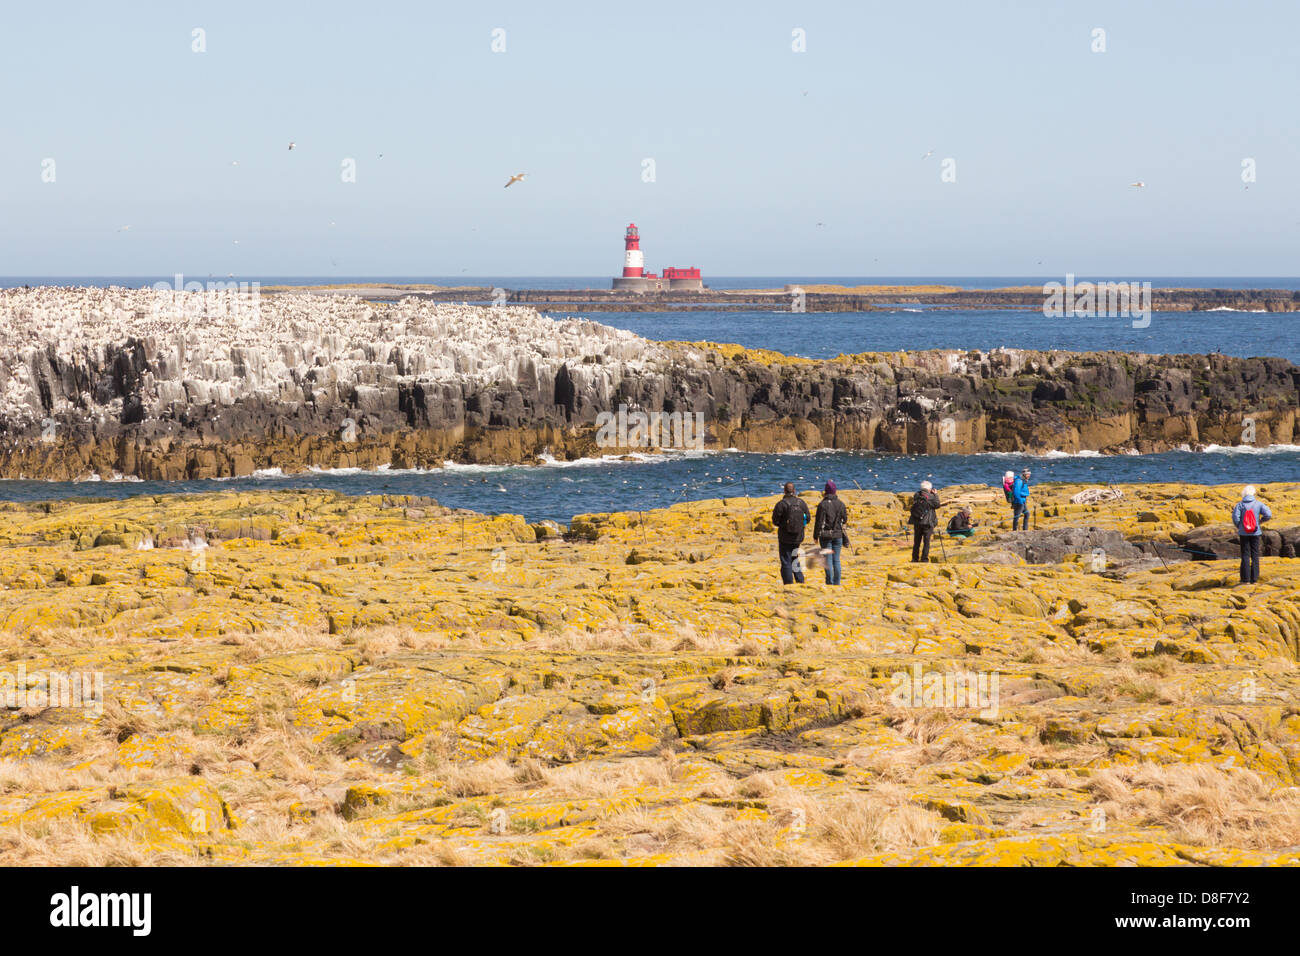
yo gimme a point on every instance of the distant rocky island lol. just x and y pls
(812, 298)
(166, 385)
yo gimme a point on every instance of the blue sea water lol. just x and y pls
(827, 334)
(560, 490)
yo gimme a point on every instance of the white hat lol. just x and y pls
(926, 486)
(1010, 474)
(1248, 491)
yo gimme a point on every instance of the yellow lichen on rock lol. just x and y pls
(302, 677)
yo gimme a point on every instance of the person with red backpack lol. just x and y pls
(1020, 499)
(790, 516)
(1248, 516)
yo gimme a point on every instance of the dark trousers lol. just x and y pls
(1249, 558)
(1016, 512)
(791, 564)
(921, 543)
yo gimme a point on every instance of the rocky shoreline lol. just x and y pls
(199, 385)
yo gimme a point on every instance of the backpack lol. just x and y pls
(1248, 523)
(921, 509)
(792, 521)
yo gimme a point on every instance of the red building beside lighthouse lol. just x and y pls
(636, 279)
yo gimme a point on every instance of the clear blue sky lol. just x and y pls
(1046, 135)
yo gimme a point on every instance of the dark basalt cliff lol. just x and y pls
(414, 385)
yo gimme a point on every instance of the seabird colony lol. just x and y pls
(227, 345)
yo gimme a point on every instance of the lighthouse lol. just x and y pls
(636, 279)
(633, 261)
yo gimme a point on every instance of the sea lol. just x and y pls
(558, 490)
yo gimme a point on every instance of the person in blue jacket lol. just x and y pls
(1020, 499)
(1249, 516)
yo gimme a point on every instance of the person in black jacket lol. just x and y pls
(961, 526)
(832, 516)
(923, 518)
(790, 516)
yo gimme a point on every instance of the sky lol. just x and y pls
(767, 159)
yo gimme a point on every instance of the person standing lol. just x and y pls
(790, 517)
(832, 516)
(1249, 516)
(1020, 499)
(923, 518)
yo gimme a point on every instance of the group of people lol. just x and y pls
(791, 517)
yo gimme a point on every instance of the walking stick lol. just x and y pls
(942, 549)
(1156, 545)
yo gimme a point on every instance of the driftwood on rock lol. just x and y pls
(1092, 496)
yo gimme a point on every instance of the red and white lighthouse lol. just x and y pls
(633, 261)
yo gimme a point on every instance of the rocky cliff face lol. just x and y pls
(177, 385)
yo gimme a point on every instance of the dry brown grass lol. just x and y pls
(1201, 804)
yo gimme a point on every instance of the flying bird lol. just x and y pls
(1138, 185)
(928, 155)
(124, 229)
(514, 179)
(292, 145)
(234, 162)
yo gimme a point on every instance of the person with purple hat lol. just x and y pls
(832, 516)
